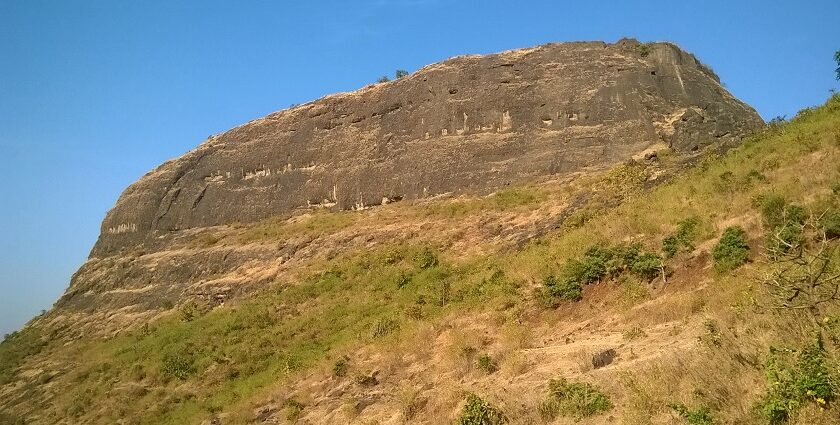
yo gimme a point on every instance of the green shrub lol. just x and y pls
(179, 366)
(830, 224)
(682, 239)
(643, 50)
(579, 400)
(486, 364)
(383, 79)
(479, 412)
(732, 249)
(400, 73)
(699, 416)
(647, 266)
(795, 377)
(562, 289)
(426, 259)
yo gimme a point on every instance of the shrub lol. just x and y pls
(383, 79)
(647, 266)
(178, 366)
(732, 250)
(400, 73)
(579, 400)
(341, 366)
(794, 378)
(682, 239)
(426, 259)
(384, 326)
(643, 50)
(294, 409)
(783, 222)
(562, 289)
(830, 224)
(699, 416)
(479, 412)
(486, 364)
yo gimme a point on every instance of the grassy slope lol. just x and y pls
(402, 301)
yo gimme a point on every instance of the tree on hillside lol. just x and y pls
(837, 59)
(401, 73)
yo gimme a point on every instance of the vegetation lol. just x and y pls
(732, 250)
(383, 79)
(682, 240)
(400, 73)
(479, 412)
(699, 416)
(796, 377)
(408, 299)
(578, 400)
(837, 59)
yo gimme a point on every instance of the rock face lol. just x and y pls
(470, 124)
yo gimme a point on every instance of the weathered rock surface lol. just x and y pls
(470, 124)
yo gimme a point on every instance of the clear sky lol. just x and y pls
(95, 93)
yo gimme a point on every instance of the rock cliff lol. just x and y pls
(470, 124)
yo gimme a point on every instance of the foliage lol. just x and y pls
(837, 59)
(784, 223)
(341, 366)
(383, 79)
(796, 377)
(830, 224)
(732, 250)
(384, 326)
(294, 409)
(579, 400)
(486, 364)
(479, 412)
(561, 289)
(699, 416)
(178, 365)
(682, 239)
(400, 73)
(426, 259)
(643, 50)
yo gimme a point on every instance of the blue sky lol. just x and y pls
(94, 93)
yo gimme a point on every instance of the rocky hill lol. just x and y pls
(469, 125)
(610, 238)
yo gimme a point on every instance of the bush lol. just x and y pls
(794, 378)
(682, 239)
(341, 366)
(783, 222)
(830, 224)
(383, 79)
(400, 73)
(479, 412)
(647, 266)
(699, 416)
(643, 50)
(562, 289)
(384, 326)
(178, 366)
(579, 400)
(732, 250)
(426, 259)
(294, 409)
(486, 364)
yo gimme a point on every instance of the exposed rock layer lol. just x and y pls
(470, 124)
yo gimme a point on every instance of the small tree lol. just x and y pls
(837, 59)
(401, 73)
(383, 79)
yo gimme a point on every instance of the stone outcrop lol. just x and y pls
(470, 124)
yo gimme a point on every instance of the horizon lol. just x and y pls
(99, 94)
